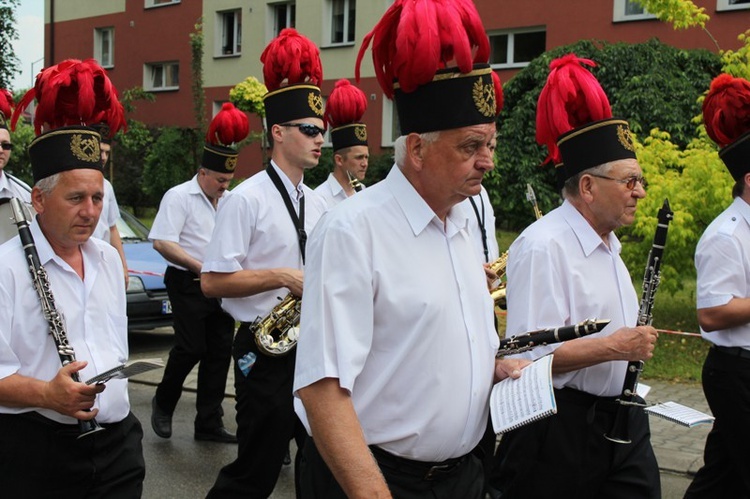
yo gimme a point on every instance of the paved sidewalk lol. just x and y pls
(678, 449)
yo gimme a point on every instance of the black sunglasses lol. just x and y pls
(307, 128)
(7, 146)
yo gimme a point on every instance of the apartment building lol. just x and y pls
(147, 43)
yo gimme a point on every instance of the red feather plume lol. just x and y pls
(498, 92)
(726, 109)
(346, 104)
(415, 38)
(572, 97)
(73, 92)
(291, 57)
(6, 103)
(229, 126)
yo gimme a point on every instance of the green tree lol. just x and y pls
(8, 33)
(129, 155)
(170, 160)
(20, 163)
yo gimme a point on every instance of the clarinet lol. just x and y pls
(41, 283)
(527, 341)
(627, 399)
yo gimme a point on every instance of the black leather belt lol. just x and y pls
(733, 351)
(424, 469)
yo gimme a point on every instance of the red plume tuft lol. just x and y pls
(498, 92)
(347, 104)
(415, 38)
(572, 97)
(291, 57)
(73, 92)
(726, 110)
(229, 126)
(6, 103)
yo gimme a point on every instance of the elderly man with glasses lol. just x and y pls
(255, 258)
(565, 268)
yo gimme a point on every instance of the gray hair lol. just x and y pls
(47, 184)
(399, 146)
(570, 188)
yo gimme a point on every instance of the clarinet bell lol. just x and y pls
(88, 427)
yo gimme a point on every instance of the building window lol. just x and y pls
(229, 33)
(283, 16)
(161, 76)
(160, 3)
(343, 17)
(391, 129)
(732, 4)
(629, 10)
(515, 49)
(104, 46)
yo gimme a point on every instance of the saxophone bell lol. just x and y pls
(277, 333)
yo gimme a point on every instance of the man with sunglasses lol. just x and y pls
(566, 268)
(255, 259)
(203, 331)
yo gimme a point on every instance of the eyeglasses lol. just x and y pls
(627, 182)
(7, 146)
(307, 128)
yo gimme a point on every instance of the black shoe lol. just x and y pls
(287, 458)
(161, 422)
(219, 434)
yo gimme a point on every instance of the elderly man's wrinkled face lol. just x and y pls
(458, 160)
(617, 194)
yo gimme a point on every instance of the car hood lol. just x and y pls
(145, 262)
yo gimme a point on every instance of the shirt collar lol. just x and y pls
(4, 181)
(418, 213)
(295, 192)
(743, 208)
(334, 185)
(46, 254)
(587, 236)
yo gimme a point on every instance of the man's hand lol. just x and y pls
(633, 344)
(64, 395)
(509, 368)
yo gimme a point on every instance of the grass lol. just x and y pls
(676, 358)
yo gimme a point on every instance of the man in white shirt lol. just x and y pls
(106, 228)
(344, 110)
(722, 259)
(41, 399)
(203, 331)
(255, 258)
(10, 187)
(566, 268)
(397, 349)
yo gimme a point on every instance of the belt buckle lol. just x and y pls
(440, 469)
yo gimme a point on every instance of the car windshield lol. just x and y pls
(130, 228)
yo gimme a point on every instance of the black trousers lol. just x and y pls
(566, 455)
(41, 459)
(404, 480)
(265, 423)
(726, 472)
(203, 333)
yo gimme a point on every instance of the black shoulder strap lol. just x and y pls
(298, 221)
(480, 220)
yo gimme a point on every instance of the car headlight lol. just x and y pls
(135, 285)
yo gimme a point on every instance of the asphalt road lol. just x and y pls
(182, 468)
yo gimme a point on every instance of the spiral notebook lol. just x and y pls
(517, 402)
(126, 370)
(680, 414)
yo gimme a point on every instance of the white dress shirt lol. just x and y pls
(254, 231)
(12, 188)
(404, 321)
(186, 217)
(331, 191)
(110, 214)
(93, 310)
(487, 220)
(722, 259)
(560, 272)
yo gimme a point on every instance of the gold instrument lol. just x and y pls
(278, 332)
(354, 181)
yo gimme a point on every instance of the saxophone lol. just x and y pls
(277, 333)
(354, 181)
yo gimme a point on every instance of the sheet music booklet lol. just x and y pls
(517, 402)
(127, 370)
(680, 414)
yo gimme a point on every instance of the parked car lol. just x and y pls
(148, 303)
